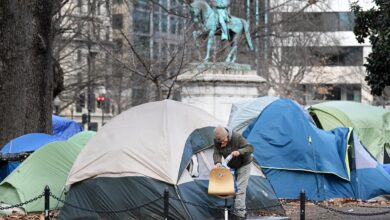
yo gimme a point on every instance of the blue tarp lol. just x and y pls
(28, 143)
(387, 168)
(296, 155)
(282, 130)
(65, 128)
(24, 143)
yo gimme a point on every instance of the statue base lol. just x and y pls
(214, 87)
(220, 66)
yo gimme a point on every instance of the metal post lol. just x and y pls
(47, 202)
(226, 210)
(302, 198)
(103, 106)
(166, 204)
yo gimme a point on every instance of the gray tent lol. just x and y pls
(146, 149)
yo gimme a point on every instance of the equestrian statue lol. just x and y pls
(210, 20)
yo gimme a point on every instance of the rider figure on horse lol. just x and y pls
(223, 16)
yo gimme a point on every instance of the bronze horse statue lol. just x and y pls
(203, 15)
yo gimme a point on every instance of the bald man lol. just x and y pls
(228, 143)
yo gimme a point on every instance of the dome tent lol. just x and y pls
(371, 123)
(326, 164)
(245, 112)
(48, 165)
(20, 148)
(144, 150)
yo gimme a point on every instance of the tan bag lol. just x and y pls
(221, 182)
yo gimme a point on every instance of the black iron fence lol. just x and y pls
(167, 199)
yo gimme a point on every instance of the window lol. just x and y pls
(156, 50)
(156, 22)
(92, 7)
(118, 44)
(174, 6)
(97, 31)
(141, 4)
(99, 11)
(141, 44)
(323, 56)
(117, 21)
(172, 25)
(80, 6)
(141, 21)
(180, 25)
(317, 21)
(349, 92)
(79, 56)
(164, 23)
(107, 33)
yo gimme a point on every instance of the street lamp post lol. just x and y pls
(101, 100)
(56, 103)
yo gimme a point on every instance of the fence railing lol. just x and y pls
(167, 199)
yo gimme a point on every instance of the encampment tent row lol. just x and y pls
(330, 151)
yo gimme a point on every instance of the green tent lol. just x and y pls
(371, 123)
(49, 165)
(82, 138)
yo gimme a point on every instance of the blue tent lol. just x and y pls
(26, 143)
(296, 155)
(65, 128)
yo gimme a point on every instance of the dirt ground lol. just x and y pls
(345, 209)
(349, 209)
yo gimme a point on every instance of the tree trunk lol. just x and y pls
(26, 78)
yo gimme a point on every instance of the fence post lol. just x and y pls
(47, 202)
(302, 198)
(166, 204)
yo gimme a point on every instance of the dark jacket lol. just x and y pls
(236, 142)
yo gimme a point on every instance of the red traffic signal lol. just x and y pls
(100, 98)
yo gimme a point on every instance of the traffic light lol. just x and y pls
(100, 101)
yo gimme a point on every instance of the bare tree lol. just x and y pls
(81, 46)
(157, 52)
(292, 45)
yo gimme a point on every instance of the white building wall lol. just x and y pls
(332, 74)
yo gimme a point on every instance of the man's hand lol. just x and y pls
(235, 153)
(217, 165)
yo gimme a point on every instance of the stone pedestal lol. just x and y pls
(214, 87)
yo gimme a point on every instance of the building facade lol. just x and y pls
(306, 50)
(86, 50)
